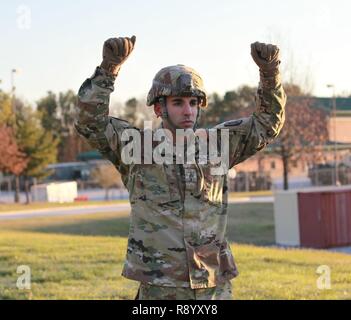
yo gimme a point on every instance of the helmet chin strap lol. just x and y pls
(164, 113)
(197, 118)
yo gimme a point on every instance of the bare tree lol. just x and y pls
(135, 111)
(107, 176)
(295, 71)
(304, 133)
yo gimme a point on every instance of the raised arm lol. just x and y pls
(92, 112)
(251, 134)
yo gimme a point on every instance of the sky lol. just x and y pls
(57, 45)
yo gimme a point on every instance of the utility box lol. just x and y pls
(55, 192)
(314, 218)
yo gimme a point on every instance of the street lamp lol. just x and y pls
(13, 101)
(336, 175)
(13, 89)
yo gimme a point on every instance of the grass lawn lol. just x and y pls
(81, 257)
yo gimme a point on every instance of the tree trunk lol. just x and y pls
(17, 189)
(285, 172)
(26, 185)
(106, 194)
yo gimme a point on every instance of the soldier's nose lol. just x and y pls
(187, 109)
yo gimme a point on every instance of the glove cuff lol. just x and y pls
(270, 79)
(110, 67)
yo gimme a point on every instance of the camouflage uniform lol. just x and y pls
(222, 291)
(177, 235)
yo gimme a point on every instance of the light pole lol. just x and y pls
(13, 90)
(336, 174)
(13, 101)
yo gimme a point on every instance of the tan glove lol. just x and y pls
(115, 52)
(267, 57)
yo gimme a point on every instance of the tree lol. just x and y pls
(49, 109)
(304, 133)
(213, 113)
(234, 104)
(135, 112)
(66, 102)
(7, 118)
(130, 110)
(57, 117)
(39, 145)
(305, 130)
(6, 113)
(12, 160)
(70, 143)
(107, 176)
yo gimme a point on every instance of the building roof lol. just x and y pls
(342, 104)
(89, 155)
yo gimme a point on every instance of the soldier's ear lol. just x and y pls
(157, 109)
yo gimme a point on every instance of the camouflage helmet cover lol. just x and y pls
(178, 80)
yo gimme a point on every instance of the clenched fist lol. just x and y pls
(115, 52)
(266, 57)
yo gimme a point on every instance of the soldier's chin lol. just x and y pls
(186, 125)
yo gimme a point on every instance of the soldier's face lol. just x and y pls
(181, 110)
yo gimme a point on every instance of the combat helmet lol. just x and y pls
(178, 80)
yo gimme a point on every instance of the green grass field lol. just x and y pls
(81, 257)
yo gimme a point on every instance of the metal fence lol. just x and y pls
(243, 181)
(329, 176)
(250, 181)
(254, 181)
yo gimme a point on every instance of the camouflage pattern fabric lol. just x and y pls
(151, 292)
(178, 80)
(178, 219)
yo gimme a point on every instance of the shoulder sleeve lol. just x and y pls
(251, 134)
(92, 121)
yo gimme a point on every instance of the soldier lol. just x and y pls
(177, 247)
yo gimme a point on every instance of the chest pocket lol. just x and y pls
(152, 183)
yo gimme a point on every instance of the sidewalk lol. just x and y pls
(92, 194)
(92, 208)
(62, 211)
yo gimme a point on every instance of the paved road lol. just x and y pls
(265, 199)
(62, 211)
(341, 250)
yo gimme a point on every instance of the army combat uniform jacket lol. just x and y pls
(178, 218)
